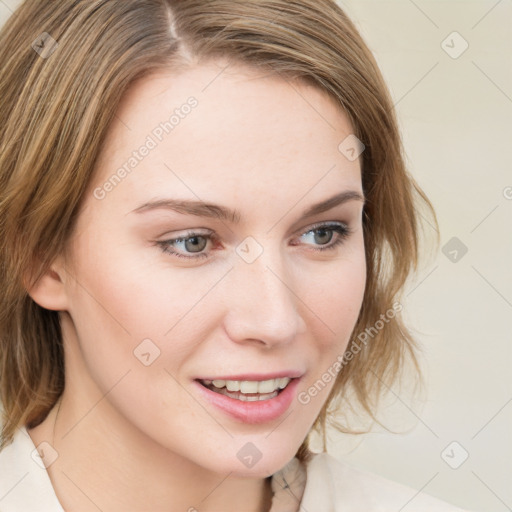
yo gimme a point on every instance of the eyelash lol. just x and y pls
(342, 229)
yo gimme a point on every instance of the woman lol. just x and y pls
(204, 209)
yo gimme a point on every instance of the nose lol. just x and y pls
(263, 307)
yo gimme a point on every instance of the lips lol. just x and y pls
(250, 398)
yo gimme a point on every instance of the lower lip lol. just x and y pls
(261, 411)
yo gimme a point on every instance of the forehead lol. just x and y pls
(213, 127)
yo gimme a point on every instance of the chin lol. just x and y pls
(250, 461)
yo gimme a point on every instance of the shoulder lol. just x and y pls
(24, 481)
(334, 485)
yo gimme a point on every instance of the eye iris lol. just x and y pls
(324, 237)
(195, 243)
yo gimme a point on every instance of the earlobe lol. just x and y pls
(49, 290)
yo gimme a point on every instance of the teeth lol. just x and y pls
(233, 385)
(283, 382)
(247, 386)
(267, 386)
(250, 386)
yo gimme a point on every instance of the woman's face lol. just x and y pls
(230, 250)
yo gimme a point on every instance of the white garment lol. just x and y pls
(325, 485)
(334, 486)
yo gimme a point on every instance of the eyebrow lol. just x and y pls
(203, 209)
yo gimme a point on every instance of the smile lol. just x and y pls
(246, 390)
(250, 398)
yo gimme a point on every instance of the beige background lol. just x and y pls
(456, 117)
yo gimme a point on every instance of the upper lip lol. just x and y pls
(255, 376)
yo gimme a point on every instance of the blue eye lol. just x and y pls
(192, 245)
(322, 235)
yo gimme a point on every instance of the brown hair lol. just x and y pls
(56, 110)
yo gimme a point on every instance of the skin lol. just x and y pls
(136, 437)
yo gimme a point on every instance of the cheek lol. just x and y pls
(339, 301)
(335, 296)
(135, 292)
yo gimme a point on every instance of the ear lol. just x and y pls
(49, 290)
